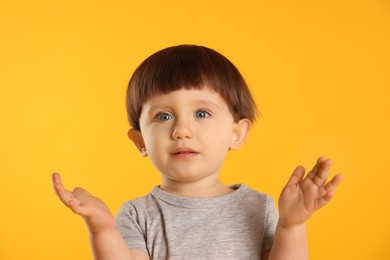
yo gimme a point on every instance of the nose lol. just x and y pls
(182, 129)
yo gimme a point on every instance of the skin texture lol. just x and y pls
(187, 135)
(298, 201)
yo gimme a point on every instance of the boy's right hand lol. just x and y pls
(94, 211)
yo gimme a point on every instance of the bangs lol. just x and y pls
(183, 67)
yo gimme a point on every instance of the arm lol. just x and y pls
(300, 198)
(106, 241)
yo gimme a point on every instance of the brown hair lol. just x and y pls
(188, 67)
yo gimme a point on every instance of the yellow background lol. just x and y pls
(319, 71)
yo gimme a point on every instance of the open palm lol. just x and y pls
(301, 197)
(94, 211)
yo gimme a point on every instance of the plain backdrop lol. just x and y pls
(319, 71)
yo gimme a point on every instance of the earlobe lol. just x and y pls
(136, 137)
(240, 133)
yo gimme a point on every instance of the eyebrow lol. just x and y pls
(205, 102)
(194, 102)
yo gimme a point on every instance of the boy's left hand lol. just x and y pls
(301, 197)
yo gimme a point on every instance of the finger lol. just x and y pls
(76, 207)
(316, 167)
(64, 195)
(322, 175)
(296, 176)
(80, 203)
(332, 185)
(56, 178)
(80, 190)
(57, 184)
(330, 190)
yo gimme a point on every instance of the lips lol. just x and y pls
(184, 153)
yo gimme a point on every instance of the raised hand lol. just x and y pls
(94, 211)
(301, 197)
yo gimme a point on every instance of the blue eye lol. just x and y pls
(202, 114)
(163, 117)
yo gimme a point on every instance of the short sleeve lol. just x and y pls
(271, 220)
(127, 222)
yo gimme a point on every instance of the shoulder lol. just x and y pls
(137, 210)
(258, 203)
(139, 204)
(137, 207)
(256, 196)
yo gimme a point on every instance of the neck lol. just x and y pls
(195, 189)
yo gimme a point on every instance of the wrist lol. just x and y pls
(107, 232)
(97, 227)
(289, 226)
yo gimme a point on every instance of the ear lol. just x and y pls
(240, 133)
(136, 137)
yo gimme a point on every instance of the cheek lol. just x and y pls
(155, 143)
(152, 146)
(219, 140)
(155, 153)
(153, 135)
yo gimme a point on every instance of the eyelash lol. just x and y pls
(207, 114)
(158, 116)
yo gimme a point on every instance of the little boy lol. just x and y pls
(188, 106)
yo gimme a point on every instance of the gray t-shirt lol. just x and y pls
(239, 225)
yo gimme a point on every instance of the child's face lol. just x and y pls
(187, 133)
